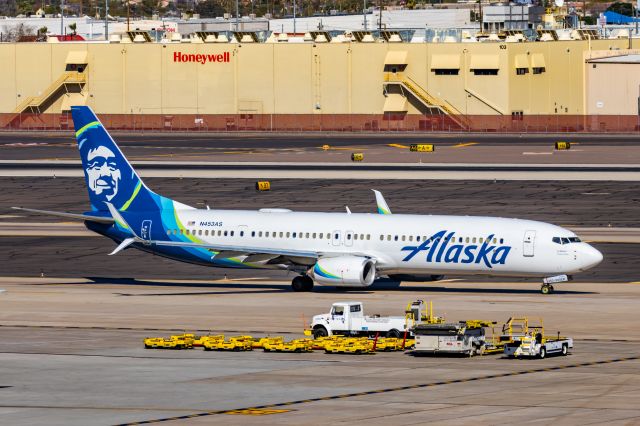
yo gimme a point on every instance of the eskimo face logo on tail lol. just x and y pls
(103, 173)
(442, 247)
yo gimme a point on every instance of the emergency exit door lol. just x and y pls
(529, 243)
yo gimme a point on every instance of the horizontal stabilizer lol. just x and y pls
(89, 218)
(123, 245)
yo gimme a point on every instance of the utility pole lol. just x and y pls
(380, 17)
(128, 13)
(61, 17)
(364, 13)
(294, 17)
(237, 16)
(106, 20)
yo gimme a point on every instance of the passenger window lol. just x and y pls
(226, 233)
(501, 240)
(474, 239)
(294, 235)
(260, 234)
(242, 233)
(168, 231)
(281, 234)
(348, 236)
(313, 235)
(288, 234)
(418, 238)
(460, 239)
(253, 233)
(320, 235)
(355, 236)
(231, 233)
(381, 237)
(388, 237)
(306, 235)
(368, 237)
(175, 231)
(481, 240)
(206, 232)
(328, 236)
(410, 237)
(395, 238)
(495, 240)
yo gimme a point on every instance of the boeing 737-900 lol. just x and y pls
(335, 249)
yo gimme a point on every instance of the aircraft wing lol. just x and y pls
(89, 218)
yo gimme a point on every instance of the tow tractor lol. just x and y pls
(524, 340)
(348, 319)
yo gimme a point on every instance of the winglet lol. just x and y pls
(120, 220)
(383, 208)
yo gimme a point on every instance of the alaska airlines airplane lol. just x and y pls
(334, 249)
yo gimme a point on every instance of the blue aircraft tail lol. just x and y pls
(108, 175)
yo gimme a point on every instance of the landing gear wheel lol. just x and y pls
(308, 283)
(302, 283)
(546, 289)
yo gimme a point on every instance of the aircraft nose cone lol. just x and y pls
(592, 257)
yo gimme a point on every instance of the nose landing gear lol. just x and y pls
(546, 289)
(302, 283)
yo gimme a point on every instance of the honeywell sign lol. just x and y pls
(201, 58)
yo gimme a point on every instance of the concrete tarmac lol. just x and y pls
(477, 149)
(71, 353)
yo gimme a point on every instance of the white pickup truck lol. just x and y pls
(348, 319)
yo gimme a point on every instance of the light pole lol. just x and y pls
(237, 16)
(61, 17)
(294, 17)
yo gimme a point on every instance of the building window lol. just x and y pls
(445, 71)
(517, 115)
(522, 71)
(539, 70)
(485, 71)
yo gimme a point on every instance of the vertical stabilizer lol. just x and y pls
(108, 175)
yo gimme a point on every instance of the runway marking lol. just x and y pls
(251, 412)
(397, 145)
(537, 153)
(462, 145)
(394, 389)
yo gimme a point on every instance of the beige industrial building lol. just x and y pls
(318, 81)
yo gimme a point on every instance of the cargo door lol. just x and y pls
(529, 243)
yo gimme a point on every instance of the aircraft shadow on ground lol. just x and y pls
(270, 287)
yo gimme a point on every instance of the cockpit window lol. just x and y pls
(565, 240)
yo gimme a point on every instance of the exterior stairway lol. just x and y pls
(426, 98)
(34, 104)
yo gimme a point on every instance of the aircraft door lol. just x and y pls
(348, 238)
(335, 238)
(145, 230)
(529, 243)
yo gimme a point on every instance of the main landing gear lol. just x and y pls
(546, 289)
(302, 283)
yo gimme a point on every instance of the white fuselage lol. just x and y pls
(403, 244)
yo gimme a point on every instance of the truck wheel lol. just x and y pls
(543, 352)
(565, 350)
(320, 332)
(393, 333)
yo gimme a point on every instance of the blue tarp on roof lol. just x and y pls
(616, 18)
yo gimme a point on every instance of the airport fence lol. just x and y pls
(335, 123)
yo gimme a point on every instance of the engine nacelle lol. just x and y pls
(345, 271)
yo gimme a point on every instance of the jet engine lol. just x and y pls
(352, 271)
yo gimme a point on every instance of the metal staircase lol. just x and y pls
(63, 85)
(427, 99)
